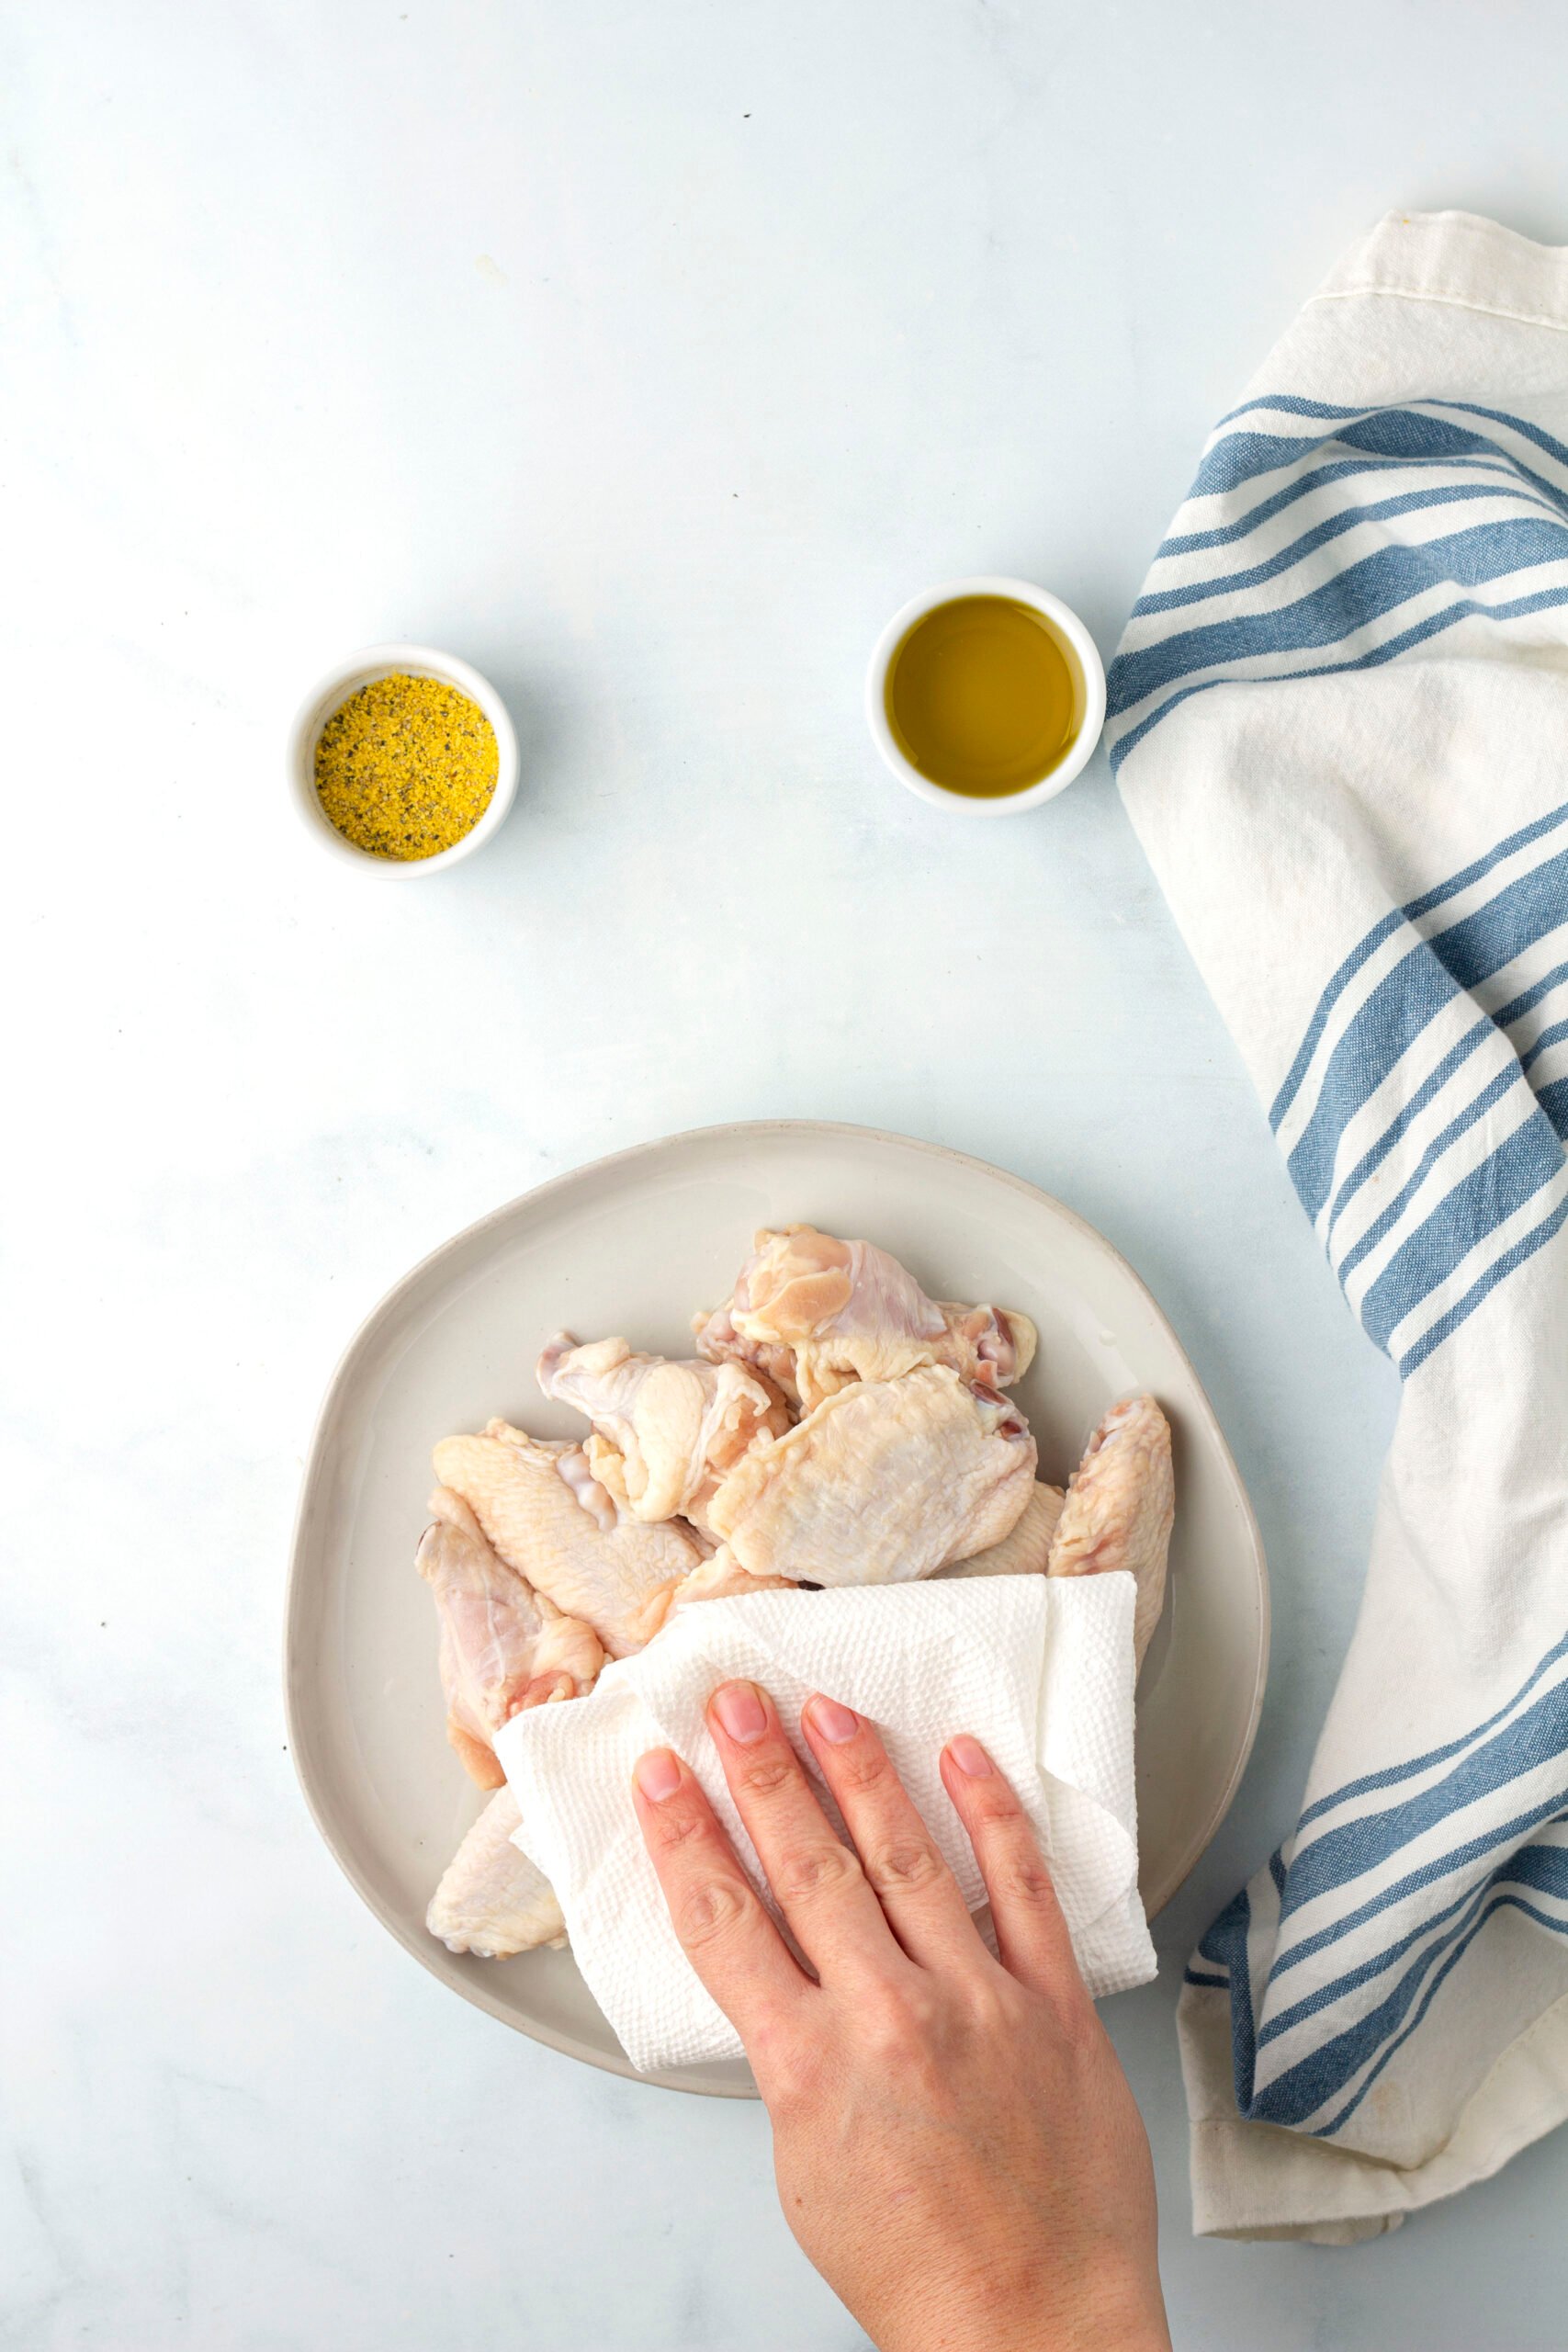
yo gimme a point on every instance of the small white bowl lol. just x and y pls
(331, 692)
(1091, 677)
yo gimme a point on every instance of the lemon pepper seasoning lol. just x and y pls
(406, 767)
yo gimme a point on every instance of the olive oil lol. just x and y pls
(983, 697)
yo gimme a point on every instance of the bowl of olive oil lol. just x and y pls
(986, 695)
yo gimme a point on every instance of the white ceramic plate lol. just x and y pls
(632, 1245)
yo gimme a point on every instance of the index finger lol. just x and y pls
(732, 1944)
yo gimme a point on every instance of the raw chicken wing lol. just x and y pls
(884, 1481)
(549, 1519)
(813, 1313)
(504, 1646)
(1121, 1503)
(666, 1433)
(1024, 1552)
(722, 1577)
(491, 1900)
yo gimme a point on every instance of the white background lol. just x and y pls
(649, 352)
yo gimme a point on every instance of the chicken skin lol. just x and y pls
(1025, 1551)
(1120, 1507)
(491, 1900)
(504, 1646)
(548, 1517)
(812, 1313)
(884, 1481)
(722, 1577)
(665, 1433)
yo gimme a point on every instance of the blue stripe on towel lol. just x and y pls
(1522, 1166)
(1500, 1903)
(1535, 433)
(1430, 1087)
(1394, 1016)
(1384, 1224)
(1500, 1838)
(1364, 592)
(1527, 998)
(1300, 2090)
(1347, 518)
(1324, 477)
(1536, 831)
(1508, 1263)
(1292, 404)
(1396, 436)
(1315, 2079)
(1403, 438)
(1371, 1782)
(1341, 1855)
(1462, 608)
(1335, 1988)
(1549, 1037)
(1226, 1945)
(1395, 431)
(1526, 910)
(1542, 1866)
(1435, 973)
(1414, 910)
(1440, 970)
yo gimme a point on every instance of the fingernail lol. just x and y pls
(739, 1706)
(835, 1722)
(658, 1775)
(970, 1757)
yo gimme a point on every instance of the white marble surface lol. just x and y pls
(649, 355)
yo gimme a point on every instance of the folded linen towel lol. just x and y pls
(1039, 1669)
(1339, 716)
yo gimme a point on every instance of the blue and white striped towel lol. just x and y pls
(1339, 718)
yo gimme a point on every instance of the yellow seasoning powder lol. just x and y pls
(406, 766)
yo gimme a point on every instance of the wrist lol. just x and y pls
(1033, 2313)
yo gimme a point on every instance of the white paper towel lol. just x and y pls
(1038, 1668)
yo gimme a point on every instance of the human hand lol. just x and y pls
(956, 2144)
